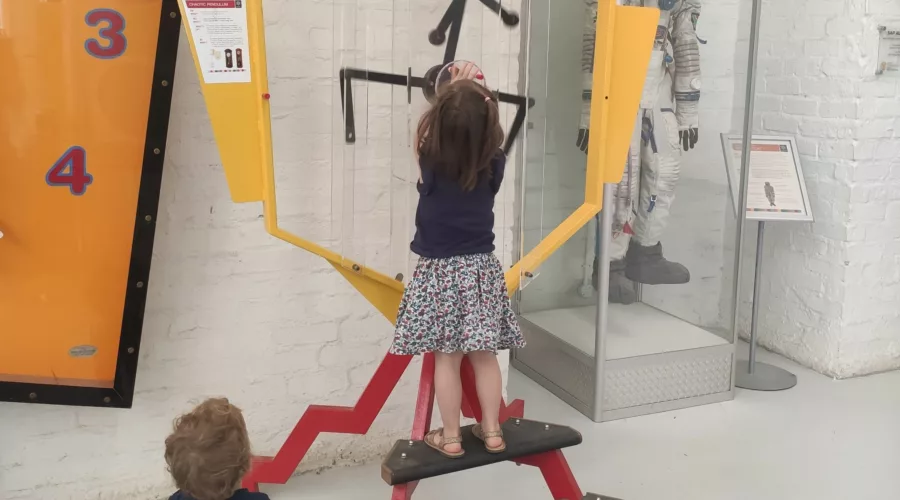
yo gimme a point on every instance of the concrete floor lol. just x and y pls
(822, 440)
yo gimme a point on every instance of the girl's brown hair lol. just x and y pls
(461, 133)
(208, 451)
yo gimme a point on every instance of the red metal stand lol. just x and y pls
(359, 418)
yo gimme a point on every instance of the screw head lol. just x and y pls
(140, 284)
(412, 443)
(131, 350)
(148, 218)
(403, 455)
(32, 396)
(156, 151)
(547, 427)
(173, 15)
(356, 267)
(106, 400)
(518, 421)
(165, 83)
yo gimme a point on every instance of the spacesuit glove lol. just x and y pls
(687, 116)
(584, 125)
(688, 138)
(584, 137)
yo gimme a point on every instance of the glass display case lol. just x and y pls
(634, 315)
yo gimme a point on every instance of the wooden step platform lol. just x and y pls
(412, 461)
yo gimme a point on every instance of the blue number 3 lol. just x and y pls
(113, 33)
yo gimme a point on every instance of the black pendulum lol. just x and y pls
(452, 21)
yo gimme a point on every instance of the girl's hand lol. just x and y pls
(465, 71)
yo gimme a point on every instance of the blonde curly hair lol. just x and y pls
(208, 452)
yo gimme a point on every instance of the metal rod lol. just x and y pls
(604, 230)
(347, 75)
(755, 307)
(459, 10)
(750, 99)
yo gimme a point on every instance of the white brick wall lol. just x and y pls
(233, 311)
(830, 289)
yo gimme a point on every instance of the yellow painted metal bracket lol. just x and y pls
(240, 117)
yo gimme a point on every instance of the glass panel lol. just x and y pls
(680, 258)
(557, 305)
(308, 153)
(669, 321)
(341, 129)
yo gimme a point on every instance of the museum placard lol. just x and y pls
(776, 188)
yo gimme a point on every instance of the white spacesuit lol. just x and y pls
(667, 123)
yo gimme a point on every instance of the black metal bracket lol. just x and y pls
(451, 20)
(347, 75)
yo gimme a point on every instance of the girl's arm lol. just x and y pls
(498, 167)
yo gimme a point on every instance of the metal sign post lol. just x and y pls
(776, 191)
(751, 374)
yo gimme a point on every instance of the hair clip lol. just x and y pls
(487, 99)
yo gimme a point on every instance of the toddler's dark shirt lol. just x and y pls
(241, 494)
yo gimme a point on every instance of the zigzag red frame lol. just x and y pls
(358, 419)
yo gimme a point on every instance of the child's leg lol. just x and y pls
(448, 390)
(489, 384)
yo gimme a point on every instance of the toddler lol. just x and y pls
(208, 453)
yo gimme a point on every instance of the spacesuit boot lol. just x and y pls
(621, 289)
(647, 265)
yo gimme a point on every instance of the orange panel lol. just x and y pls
(74, 101)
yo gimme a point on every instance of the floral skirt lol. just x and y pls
(457, 304)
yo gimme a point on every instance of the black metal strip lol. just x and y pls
(348, 74)
(452, 20)
(509, 18)
(374, 76)
(122, 393)
(517, 123)
(347, 105)
(148, 199)
(439, 34)
(409, 78)
(459, 10)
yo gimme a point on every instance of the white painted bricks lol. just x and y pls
(827, 285)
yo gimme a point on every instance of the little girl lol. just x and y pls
(456, 304)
